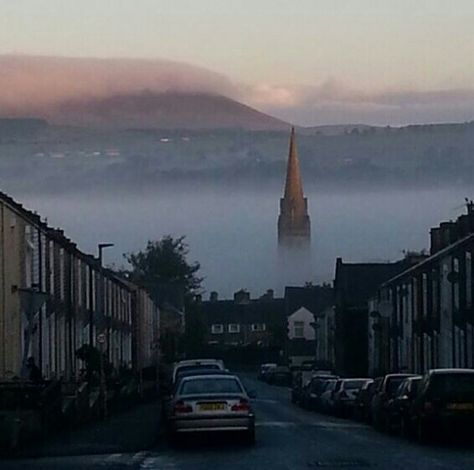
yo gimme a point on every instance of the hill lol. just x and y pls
(170, 110)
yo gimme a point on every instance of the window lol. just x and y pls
(217, 329)
(299, 329)
(206, 386)
(234, 328)
(258, 327)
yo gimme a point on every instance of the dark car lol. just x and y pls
(264, 369)
(345, 394)
(280, 375)
(327, 396)
(399, 406)
(445, 403)
(313, 390)
(362, 401)
(384, 392)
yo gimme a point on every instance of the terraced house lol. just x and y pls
(424, 317)
(54, 299)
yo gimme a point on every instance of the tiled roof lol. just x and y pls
(355, 283)
(313, 298)
(256, 311)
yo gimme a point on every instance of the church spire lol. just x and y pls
(293, 185)
(294, 226)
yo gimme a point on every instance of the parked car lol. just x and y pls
(345, 394)
(166, 407)
(211, 403)
(280, 375)
(383, 393)
(445, 403)
(327, 396)
(399, 406)
(264, 369)
(194, 364)
(297, 386)
(362, 402)
(312, 391)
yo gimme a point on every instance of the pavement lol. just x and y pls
(287, 438)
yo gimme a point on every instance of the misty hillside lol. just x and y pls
(65, 158)
(172, 110)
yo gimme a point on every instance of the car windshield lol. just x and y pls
(329, 385)
(203, 386)
(453, 384)
(393, 384)
(353, 384)
(318, 385)
(185, 369)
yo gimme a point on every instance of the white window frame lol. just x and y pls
(233, 328)
(258, 327)
(297, 325)
(217, 328)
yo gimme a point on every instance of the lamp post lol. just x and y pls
(102, 337)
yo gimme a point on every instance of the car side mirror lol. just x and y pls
(252, 394)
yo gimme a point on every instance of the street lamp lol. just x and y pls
(102, 337)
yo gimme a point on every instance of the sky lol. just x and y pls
(308, 61)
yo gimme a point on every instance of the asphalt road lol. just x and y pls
(287, 438)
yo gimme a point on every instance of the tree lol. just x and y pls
(164, 262)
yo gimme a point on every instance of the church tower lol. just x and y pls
(294, 226)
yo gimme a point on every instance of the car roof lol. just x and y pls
(189, 362)
(203, 371)
(450, 371)
(400, 375)
(347, 379)
(210, 376)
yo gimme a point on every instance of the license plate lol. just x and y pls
(211, 406)
(460, 406)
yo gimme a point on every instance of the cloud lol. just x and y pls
(33, 84)
(39, 86)
(334, 102)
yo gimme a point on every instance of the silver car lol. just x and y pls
(207, 403)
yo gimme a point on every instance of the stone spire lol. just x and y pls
(293, 185)
(294, 226)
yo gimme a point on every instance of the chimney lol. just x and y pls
(435, 236)
(448, 233)
(214, 296)
(241, 297)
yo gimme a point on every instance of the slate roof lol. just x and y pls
(355, 283)
(256, 311)
(313, 298)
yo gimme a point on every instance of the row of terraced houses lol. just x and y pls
(411, 315)
(54, 299)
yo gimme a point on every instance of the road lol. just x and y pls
(287, 438)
